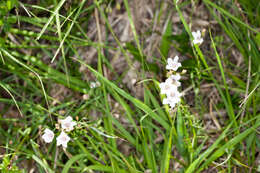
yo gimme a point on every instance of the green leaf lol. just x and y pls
(167, 153)
(43, 163)
(71, 161)
(9, 5)
(103, 168)
(257, 38)
(238, 81)
(11, 19)
(181, 130)
(137, 56)
(189, 64)
(183, 42)
(166, 43)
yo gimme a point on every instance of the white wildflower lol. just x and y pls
(63, 139)
(173, 64)
(175, 79)
(174, 95)
(167, 101)
(94, 84)
(197, 37)
(167, 86)
(48, 136)
(172, 98)
(170, 86)
(67, 124)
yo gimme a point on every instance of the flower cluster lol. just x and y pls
(67, 125)
(170, 86)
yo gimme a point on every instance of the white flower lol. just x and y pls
(48, 136)
(171, 102)
(173, 64)
(197, 37)
(167, 86)
(94, 84)
(175, 79)
(174, 95)
(67, 124)
(172, 98)
(63, 139)
(170, 86)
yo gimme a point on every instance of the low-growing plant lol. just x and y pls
(109, 86)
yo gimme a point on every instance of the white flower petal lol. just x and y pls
(197, 37)
(172, 104)
(167, 86)
(175, 79)
(165, 101)
(170, 101)
(173, 64)
(198, 33)
(174, 95)
(94, 84)
(68, 124)
(63, 139)
(173, 98)
(170, 60)
(48, 136)
(176, 58)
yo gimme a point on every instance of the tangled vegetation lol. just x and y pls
(140, 86)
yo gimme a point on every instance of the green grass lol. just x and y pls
(45, 45)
